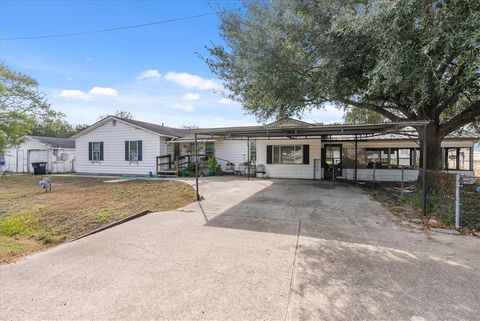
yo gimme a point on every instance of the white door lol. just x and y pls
(36, 156)
(317, 169)
(21, 161)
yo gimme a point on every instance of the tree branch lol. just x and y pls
(372, 107)
(465, 117)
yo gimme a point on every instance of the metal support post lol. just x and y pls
(196, 167)
(248, 158)
(356, 158)
(458, 201)
(401, 193)
(424, 170)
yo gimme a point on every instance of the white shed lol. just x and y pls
(58, 153)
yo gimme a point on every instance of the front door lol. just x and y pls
(332, 161)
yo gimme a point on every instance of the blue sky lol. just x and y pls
(152, 72)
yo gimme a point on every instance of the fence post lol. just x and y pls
(374, 172)
(333, 165)
(458, 182)
(401, 193)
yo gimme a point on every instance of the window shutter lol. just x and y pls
(127, 157)
(139, 146)
(306, 154)
(269, 154)
(101, 151)
(90, 151)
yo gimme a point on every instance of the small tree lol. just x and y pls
(119, 113)
(403, 59)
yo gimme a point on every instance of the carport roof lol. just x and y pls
(305, 129)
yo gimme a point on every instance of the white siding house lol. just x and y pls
(58, 153)
(121, 146)
(302, 168)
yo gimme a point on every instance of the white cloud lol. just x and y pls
(190, 81)
(190, 96)
(183, 107)
(81, 95)
(149, 74)
(217, 118)
(103, 91)
(73, 94)
(225, 101)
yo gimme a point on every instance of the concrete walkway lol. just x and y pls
(253, 250)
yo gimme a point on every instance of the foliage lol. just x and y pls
(21, 104)
(103, 216)
(403, 59)
(19, 224)
(357, 115)
(56, 127)
(214, 166)
(120, 114)
(415, 199)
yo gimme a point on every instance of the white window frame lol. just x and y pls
(132, 157)
(96, 153)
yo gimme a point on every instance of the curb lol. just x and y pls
(106, 227)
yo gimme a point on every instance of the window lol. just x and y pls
(133, 150)
(209, 149)
(348, 157)
(288, 154)
(253, 151)
(95, 151)
(391, 157)
(405, 157)
(377, 157)
(63, 157)
(464, 159)
(458, 158)
(451, 160)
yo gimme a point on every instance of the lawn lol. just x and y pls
(32, 220)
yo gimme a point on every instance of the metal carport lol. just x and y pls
(358, 131)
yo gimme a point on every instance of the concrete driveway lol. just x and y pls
(253, 250)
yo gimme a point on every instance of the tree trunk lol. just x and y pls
(434, 149)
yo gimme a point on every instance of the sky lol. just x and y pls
(154, 72)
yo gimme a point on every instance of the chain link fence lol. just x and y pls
(467, 202)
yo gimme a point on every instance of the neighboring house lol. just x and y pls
(121, 146)
(58, 153)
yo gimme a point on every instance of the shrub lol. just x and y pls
(213, 165)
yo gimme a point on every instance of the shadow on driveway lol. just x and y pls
(355, 262)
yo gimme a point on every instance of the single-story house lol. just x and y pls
(123, 146)
(58, 153)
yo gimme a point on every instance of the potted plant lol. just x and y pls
(213, 166)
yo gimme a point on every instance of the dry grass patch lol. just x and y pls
(32, 220)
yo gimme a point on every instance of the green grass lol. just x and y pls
(32, 220)
(103, 216)
(21, 224)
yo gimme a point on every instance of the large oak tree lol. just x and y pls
(404, 59)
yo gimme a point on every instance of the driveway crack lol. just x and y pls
(292, 275)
